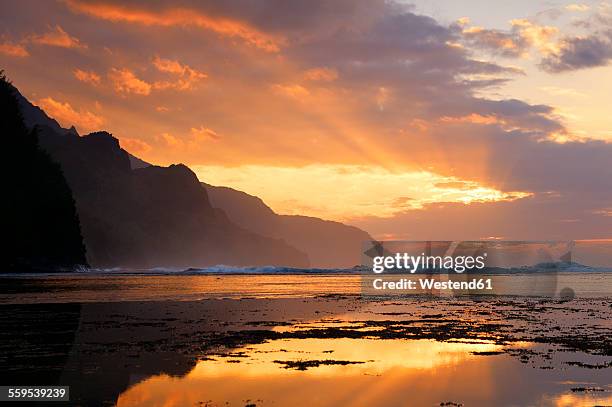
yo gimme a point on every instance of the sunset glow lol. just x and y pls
(357, 113)
(346, 192)
(315, 203)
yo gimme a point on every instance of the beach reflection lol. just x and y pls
(314, 351)
(573, 400)
(368, 372)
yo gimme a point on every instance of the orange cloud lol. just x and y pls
(184, 143)
(13, 50)
(539, 36)
(203, 133)
(170, 140)
(196, 135)
(169, 65)
(57, 37)
(178, 17)
(523, 35)
(63, 112)
(87, 76)
(125, 81)
(321, 74)
(135, 146)
(188, 77)
(472, 118)
(291, 90)
(494, 38)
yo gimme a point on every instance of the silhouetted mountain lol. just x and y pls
(149, 216)
(39, 218)
(328, 244)
(35, 116)
(136, 162)
(134, 214)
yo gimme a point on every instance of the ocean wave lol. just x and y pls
(565, 267)
(224, 269)
(552, 267)
(230, 270)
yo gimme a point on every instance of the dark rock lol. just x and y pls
(39, 218)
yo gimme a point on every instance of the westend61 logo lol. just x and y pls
(410, 263)
(466, 267)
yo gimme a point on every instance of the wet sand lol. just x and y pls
(316, 349)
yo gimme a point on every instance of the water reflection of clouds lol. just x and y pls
(421, 369)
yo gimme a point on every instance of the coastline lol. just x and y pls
(121, 285)
(129, 351)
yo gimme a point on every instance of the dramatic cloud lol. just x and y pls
(321, 74)
(557, 53)
(203, 133)
(171, 141)
(578, 53)
(591, 48)
(187, 76)
(507, 44)
(57, 37)
(121, 12)
(196, 139)
(389, 118)
(13, 50)
(125, 81)
(87, 76)
(517, 42)
(135, 146)
(85, 121)
(291, 90)
(324, 186)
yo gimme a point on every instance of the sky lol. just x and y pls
(436, 119)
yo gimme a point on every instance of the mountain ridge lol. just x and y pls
(130, 234)
(329, 244)
(151, 216)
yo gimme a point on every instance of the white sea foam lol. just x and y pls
(229, 270)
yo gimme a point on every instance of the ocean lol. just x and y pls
(273, 337)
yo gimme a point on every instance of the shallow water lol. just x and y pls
(236, 340)
(120, 286)
(370, 372)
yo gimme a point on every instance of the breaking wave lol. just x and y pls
(233, 270)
